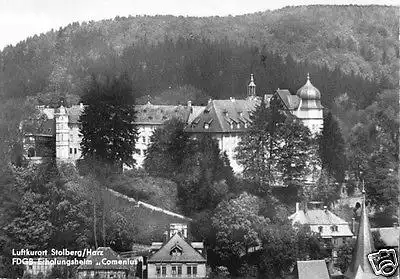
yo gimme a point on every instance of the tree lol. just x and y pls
(332, 148)
(237, 223)
(373, 151)
(48, 214)
(205, 176)
(326, 189)
(167, 150)
(283, 246)
(108, 129)
(276, 149)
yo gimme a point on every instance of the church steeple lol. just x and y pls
(251, 88)
(360, 266)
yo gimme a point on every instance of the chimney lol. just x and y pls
(297, 206)
(189, 103)
(165, 237)
(232, 99)
(209, 101)
(325, 209)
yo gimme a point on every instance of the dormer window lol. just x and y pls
(206, 126)
(320, 229)
(238, 126)
(176, 250)
(246, 125)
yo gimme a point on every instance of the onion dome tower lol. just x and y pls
(310, 110)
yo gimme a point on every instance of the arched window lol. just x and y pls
(31, 152)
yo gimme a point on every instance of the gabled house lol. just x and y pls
(176, 256)
(332, 228)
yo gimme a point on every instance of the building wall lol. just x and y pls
(35, 267)
(312, 118)
(152, 270)
(114, 274)
(145, 131)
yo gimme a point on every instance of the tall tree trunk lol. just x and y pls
(95, 225)
(104, 228)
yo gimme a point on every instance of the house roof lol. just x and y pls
(104, 252)
(359, 266)
(158, 114)
(189, 254)
(290, 101)
(322, 217)
(224, 116)
(315, 269)
(390, 236)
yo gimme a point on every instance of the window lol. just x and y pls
(143, 139)
(158, 270)
(189, 270)
(238, 126)
(206, 126)
(164, 270)
(179, 270)
(31, 152)
(194, 269)
(30, 267)
(70, 151)
(320, 228)
(75, 150)
(174, 270)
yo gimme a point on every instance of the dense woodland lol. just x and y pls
(352, 56)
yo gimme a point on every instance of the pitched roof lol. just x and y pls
(324, 218)
(315, 269)
(290, 101)
(96, 260)
(359, 266)
(390, 236)
(224, 116)
(189, 254)
(157, 114)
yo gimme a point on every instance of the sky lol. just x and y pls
(20, 19)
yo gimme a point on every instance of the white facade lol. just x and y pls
(176, 270)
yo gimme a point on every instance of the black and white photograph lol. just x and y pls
(209, 139)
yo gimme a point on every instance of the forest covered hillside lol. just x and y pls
(213, 54)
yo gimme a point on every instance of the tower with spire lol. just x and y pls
(251, 88)
(360, 267)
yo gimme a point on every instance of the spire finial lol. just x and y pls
(308, 76)
(251, 77)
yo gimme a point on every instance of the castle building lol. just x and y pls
(226, 120)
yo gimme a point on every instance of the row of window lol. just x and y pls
(176, 270)
(334, 228)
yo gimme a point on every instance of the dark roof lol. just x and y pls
(316, 269)
(189, 254)
(104, 252)
(223, 116)
(290, 101)
(158, 114)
